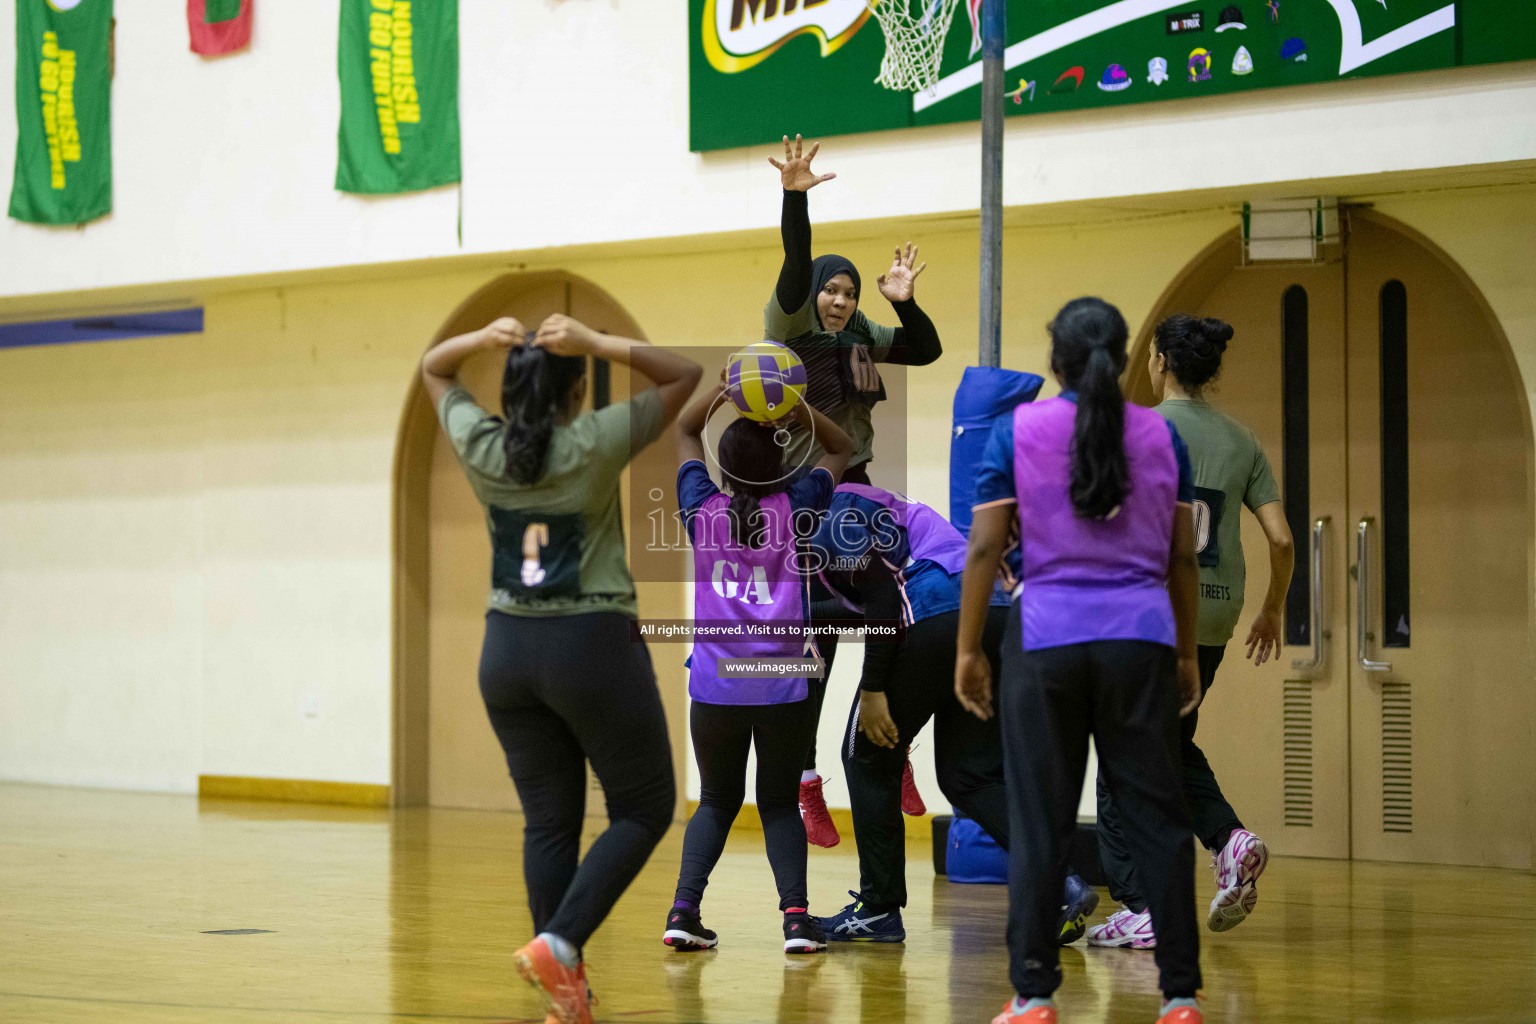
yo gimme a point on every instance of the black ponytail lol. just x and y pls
(1088, 353)
(1193, 347)
(534, 389)
(753, 465)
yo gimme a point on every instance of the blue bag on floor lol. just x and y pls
(985, 393)
(974, 856)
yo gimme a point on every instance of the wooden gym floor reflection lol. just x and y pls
(107, 901)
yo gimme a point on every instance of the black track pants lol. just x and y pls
(1124, 693)
(561, 692)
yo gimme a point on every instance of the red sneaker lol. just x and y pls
(819, 830)
(911, 799)
(564, 988)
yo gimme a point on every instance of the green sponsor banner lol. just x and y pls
(63, 111)
(761, 68)
(399, 69)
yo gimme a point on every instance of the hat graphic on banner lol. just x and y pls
(1242, 62)
(1231, 17)
(1115, 79)
(1068, 80)
(1157, 71)
(1294, 50)
(1200, 64)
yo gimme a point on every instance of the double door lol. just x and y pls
(1397, 723)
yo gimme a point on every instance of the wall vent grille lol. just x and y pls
(1296, 696)
(1396, 758)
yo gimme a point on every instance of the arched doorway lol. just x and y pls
(1387, 398)
(444, 752)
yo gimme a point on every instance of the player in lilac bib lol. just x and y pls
(1102, 644)
(751, 605)
(897, 562)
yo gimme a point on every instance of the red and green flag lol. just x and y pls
(63, 111)
(219, 26)
(399, 70)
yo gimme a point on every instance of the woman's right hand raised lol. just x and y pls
(566, 336)
(503, 333)
(795, 171)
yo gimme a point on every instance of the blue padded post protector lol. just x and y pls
(985, 393)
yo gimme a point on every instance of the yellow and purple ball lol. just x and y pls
(765, 381)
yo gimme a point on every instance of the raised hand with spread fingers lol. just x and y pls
(795, 169)
(897, 284)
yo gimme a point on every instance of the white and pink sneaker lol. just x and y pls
(1125, 928)
(1238, 867)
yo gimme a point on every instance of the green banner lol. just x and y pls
(399, 69)
(63, 111)
(761, 68)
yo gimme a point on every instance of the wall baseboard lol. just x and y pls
(300, 791)
(747, 822)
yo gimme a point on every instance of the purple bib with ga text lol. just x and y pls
(743, 594)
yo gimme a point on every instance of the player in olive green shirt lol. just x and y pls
(563, 680)
(1230, 470)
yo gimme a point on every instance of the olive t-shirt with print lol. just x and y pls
(819, 350)
(1230, 470)
(557, 544)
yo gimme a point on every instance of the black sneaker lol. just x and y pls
(803, 935)
(685, 932)
(1080, 901)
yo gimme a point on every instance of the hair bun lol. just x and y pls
(1217, 332)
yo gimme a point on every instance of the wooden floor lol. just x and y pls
(108, 902)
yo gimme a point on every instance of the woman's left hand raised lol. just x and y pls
(503, 332)
(897, 284)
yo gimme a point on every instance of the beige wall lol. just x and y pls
(194, 532)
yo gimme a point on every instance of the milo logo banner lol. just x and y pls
(399, 69)
(63, 111)
(761, 68)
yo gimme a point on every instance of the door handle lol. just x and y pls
(1363, 633)
(1319, 630)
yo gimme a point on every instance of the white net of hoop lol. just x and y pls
(914, 41)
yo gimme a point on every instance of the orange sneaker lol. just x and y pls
(581, 969)
(911, 800)
(1182, 1015)
(819, 829)
(564, 988)
(1039, 1015)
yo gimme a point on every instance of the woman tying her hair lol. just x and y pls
(1101, 643)
(747, 574)
(814, 309)
(563, 682)
(1230, 469)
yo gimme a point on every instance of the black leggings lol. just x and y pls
(722, 735)
(1124, 693)
(560, 692)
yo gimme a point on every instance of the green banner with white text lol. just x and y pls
(399, 70)
(63, 111)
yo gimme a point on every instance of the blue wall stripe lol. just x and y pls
(101, 328)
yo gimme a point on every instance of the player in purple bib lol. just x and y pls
(751, 605)
(1102, 644)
